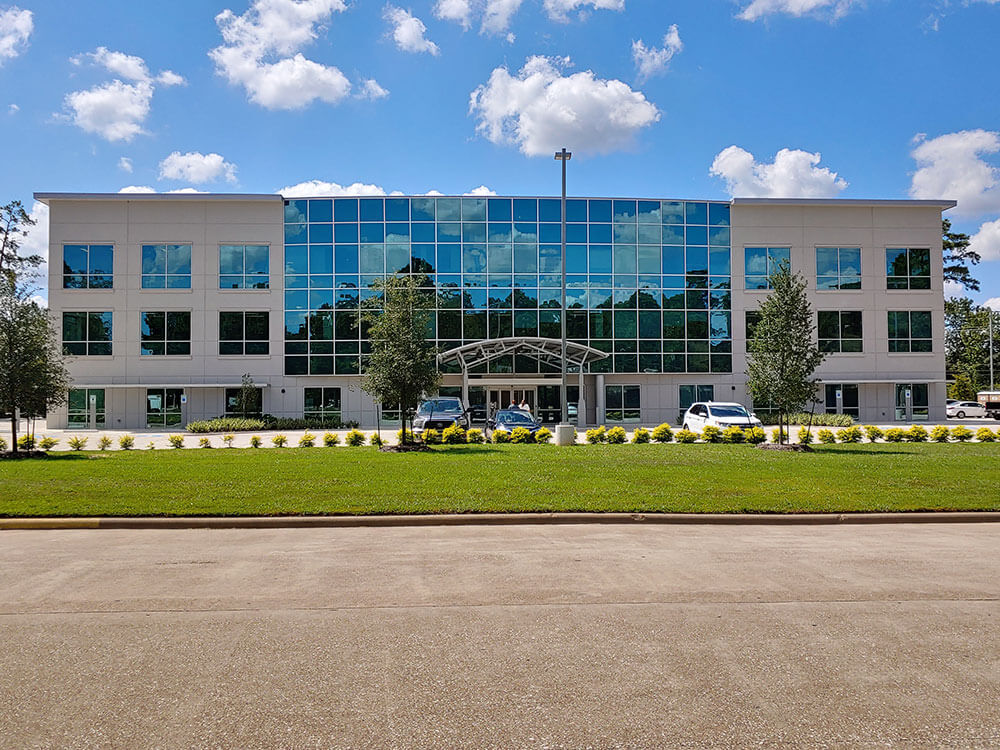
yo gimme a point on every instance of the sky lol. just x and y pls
(704, 99)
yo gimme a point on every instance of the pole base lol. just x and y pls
(565, 434)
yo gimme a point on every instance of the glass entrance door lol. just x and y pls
(505, 398)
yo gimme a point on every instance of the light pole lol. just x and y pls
(564, 431)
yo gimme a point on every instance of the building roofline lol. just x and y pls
(942, 204)
(46, 197)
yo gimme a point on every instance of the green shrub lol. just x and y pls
(255, 441)
(597, 435)
(279, 441)
(544, 435)
(226, 424)
(331, 439)
(431, 436)
(685, 436)
(711, 434)
(151, 446)
(354, 438)
(662, 433)
(204, 443)
(940, 434)
(873, 432)
(521, 435)
(826, 436)
(176, 441)
(454, 434)
(308, 440)
(228, 440)
(985, 435)
(409, 435)
(126, 442)
(76, 442)
(850, 434)
(756, 435)
(895, 435)
(616, 435)
(3, 444)
(732, 434)
(103, 442)
(501, 436)
(916, 434)
(375, 439)
(641, 435)
(805, 435)
(475, 436)
(800, 418)
(47, 443)
(961, 433)
(777, 433)
(26, 442)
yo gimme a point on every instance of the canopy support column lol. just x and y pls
(581, 404)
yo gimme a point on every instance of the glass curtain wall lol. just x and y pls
(648, 281)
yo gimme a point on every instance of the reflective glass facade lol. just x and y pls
(648, 281)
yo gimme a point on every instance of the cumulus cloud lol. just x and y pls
(125, 164)
(261, 53)
(559, 10)
(197, 168)
(832, 9)
(16, 26)
(321, 189)
(408, 31)
(951, 166)
(116, 110)
(986, 241)
(13, 109)
(481, 190)
(792, 174)
(496, 16)
(145, 189)
(650, 61)
(371, 90)
(459, 11)
(540, 110)
(993, 303)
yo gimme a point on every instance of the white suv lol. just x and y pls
(718, 414)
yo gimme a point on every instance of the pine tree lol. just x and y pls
(958, 257)
(14, 224)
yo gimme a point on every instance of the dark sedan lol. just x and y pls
(509, 419)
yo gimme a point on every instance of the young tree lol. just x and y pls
(14, 225)
(32, 375)
(248, 399)
(958, 257)
(783, 351)
(402, 367)
(967, 342)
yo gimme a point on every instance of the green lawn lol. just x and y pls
(624, 478)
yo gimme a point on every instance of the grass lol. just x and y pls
(620, 478)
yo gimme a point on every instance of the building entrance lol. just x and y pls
(503, 398)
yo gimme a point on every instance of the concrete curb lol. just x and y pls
(491, 519)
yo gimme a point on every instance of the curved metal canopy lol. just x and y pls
(541, 349)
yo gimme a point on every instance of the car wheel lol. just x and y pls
(960, 415)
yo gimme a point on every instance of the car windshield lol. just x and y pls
(729, 411)
(515, 417)
(439, 405)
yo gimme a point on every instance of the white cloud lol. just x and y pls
(408, 31)
(125, 164)
(260, 53)
(13, 109)
(834, 9)
(792, 174)
(16, 26)
(197, 167)
(145, 189)
(498, 14)
(559, 10)
(986, 241)
(993, 303)
(540, 110)
(481, 190)
(459, 11)
(318, 188)
(370, 89)
(650, 61)
(951, 166)
(130, 67)
(170, 78)
(434, 192)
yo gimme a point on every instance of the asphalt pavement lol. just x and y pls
(533, 636)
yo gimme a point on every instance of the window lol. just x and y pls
(243, 333)
(164, 407)
(86, 333)
(166, 266)
(621, 403)
(839, 331)
(88, 266)
(690, 394)
(252, 409)
(912, 402)
(909, 331)
(838, 268)
(761, 262)
(751, 317)
(165, 333)
(322, 405)
(244, 267)
(907, 268)
(79, 407)
(842, 398)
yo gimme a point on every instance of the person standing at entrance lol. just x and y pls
(524, 406)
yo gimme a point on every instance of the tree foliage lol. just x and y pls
(32, 375)
(247, 398)
(966, 343)
(958, 257)
(14, 225)
(402, 367)
(783, 352)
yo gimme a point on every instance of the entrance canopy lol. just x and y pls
(548, 351)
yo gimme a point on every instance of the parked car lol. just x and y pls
(991, 400)
(718, 414)
(438, 413)
(508, 419)
(963, 409)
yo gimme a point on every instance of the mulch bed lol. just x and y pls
(23, 454)
(787, 447)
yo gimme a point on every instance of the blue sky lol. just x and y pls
(656, 98)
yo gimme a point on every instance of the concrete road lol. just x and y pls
(498, 637)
